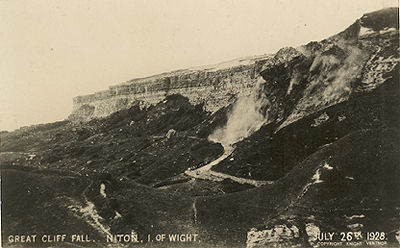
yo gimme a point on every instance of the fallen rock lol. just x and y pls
(277, 236)
(170, 133)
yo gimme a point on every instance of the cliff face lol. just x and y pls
(214, 86)
(297, 82)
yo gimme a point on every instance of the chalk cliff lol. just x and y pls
(215, 86)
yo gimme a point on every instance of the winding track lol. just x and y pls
(206, 173)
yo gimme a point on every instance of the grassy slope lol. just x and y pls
(33, 202)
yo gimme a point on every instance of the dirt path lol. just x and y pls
(194, 209)
(206, 173)
(218, 177)
(89, 213)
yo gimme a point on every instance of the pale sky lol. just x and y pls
(53, 50)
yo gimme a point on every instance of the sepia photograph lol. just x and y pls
(199, 123)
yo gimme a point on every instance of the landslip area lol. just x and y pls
(268, 151)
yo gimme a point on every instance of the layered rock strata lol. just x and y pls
(214, 86)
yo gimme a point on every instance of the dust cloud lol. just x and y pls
(342, 78)
(248, 114)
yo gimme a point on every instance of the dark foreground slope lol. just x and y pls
(356, 175)
(329, 149)
(51, 173)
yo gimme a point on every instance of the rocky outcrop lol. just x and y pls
(276, 236)
(302, 81)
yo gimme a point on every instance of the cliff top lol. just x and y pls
(210, 68)
(376, 20)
